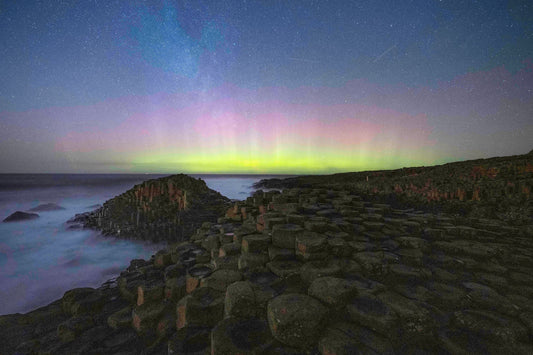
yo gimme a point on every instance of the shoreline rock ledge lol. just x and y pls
(165, 209)
(309, 271)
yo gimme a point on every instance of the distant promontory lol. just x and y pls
(166, 209)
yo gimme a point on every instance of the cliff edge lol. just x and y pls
(165, 209)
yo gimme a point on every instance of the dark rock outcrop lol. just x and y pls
(494, 188)
(20, 216)
(166, 209)
(46, 207)
(306, 271)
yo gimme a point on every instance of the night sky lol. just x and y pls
(262, 86)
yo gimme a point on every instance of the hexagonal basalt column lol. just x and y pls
(296, 319)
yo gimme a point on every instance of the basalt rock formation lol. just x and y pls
(499, 187)
(20, 216)
(306, 271)
(46, 207)
(166, 209)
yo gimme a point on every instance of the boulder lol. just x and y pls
(120, 319)
(491, 325)
(204, 307)
(252, 261)
(240, 300)
(311, 246)
(319, 268)
(284, 235)
(221, 279)
(234, 336)
(150, 291)
(175, 288)
(195, 274)
(190, 340)
(278, 254)
(296, 319)
(255, 243)
(46, 207)
(283, 268)
(70, 329)
(369, 311)
(347, 338)
(333, 291)
(145, 317)
(20, 216)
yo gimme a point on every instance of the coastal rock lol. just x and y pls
(20, 216)
(362, 276)
(240, 300)
(295, 319)
(237, 336)
(332, 291)
(46, 207)
(166, 209)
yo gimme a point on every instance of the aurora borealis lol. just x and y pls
(262, 86)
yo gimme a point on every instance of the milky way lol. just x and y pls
(262, 86)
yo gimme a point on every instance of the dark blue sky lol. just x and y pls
(59, 53)
(82, 53)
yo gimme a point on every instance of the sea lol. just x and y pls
(42, 258)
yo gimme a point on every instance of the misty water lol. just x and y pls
(40, 259)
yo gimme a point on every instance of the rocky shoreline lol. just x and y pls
(167, 209)
(494, 188)
(310, 270)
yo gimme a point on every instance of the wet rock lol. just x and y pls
(70, 329)
(74, 295)
(120, 319)
(240, 300)
(20, 216)
(221, 279)
(226, 262)
(311, 246)
(150, 291)
(255, 243)
(416, 318)
(229, 249)
(319, 268)
(204, 307)
(346, 338)
(195, 275)
(145, 317)
(284, 235)
(482, 296)
(332, 291)
(283, 268)
(46, 207)
(175, 270)
(162, 259)
(279, 254)
(175, 288)
(491, 325)
(251, 261)
(371, 312)
(190, 340)
(296, 319)
(234, 336)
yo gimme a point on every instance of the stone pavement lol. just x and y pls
(309, 271)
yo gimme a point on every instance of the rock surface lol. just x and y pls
(356, 276)
(20, 216)
(166, 209)
(46, 207)
(494, 188)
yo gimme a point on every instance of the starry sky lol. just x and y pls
(267, 86)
